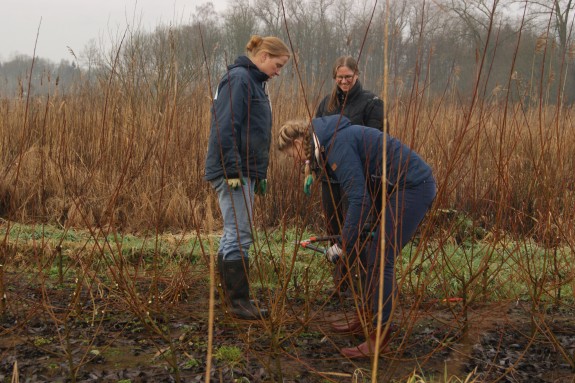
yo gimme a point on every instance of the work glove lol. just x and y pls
(235, 183)
(261, 186)
(307, 185)
(334, 253)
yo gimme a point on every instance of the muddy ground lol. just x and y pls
(104, 341)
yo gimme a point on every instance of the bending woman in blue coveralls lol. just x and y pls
(353, 156)
(237, 161)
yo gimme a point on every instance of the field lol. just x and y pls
(141, 312)
(108, 236)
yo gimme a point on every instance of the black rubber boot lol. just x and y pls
(220, 275)
(237, 291)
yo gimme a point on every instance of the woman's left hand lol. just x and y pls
(261, 187)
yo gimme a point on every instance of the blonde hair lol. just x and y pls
(291, 131)
(271, 45)
(343, 61)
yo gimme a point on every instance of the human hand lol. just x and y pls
(261, 186)
(334, 253)
(235, 183)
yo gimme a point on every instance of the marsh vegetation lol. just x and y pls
(108, 232)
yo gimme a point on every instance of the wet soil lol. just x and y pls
(43, 339)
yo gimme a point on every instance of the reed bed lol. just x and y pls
(127, 162)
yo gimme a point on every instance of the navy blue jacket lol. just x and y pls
(241, 123)
(352, 155)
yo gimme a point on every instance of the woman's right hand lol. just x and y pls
(235, 183)
(334, 253)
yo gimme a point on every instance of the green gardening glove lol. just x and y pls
(307, 185)
(261, 187)
(235, 183)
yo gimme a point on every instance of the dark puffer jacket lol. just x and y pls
(352, 155)
(362, 107)
(240, 132)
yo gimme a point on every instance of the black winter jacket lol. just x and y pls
(241, 122)
(352, 155)
(362, 107)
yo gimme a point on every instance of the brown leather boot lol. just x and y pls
(367, 348)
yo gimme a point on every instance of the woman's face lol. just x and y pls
(296, 152)
(345, 78)
(271, 65)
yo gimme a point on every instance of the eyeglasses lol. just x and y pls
(347, 78)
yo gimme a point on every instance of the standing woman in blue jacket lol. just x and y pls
(237, 160)
(353, 156)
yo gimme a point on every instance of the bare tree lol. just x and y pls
(561, 12)
(476, 15)
(240, 23)
(311, 31)
(270, 13)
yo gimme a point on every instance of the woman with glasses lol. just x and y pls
(237, 160)
(348, 97)
(361, 107)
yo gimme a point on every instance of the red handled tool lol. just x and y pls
(307, 243)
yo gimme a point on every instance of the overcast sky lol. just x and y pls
(73, 23)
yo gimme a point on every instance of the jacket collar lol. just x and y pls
(354, 91)
(244, 61)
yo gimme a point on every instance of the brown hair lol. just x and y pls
(291, 131)
(346, 61)
(271, 45)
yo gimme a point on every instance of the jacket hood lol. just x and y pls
(326, 127)
(245, 62)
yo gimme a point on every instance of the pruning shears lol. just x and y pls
(307, 243)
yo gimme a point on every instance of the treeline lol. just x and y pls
(477, 49)
(23, 74)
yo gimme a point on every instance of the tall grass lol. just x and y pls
(83, 162)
